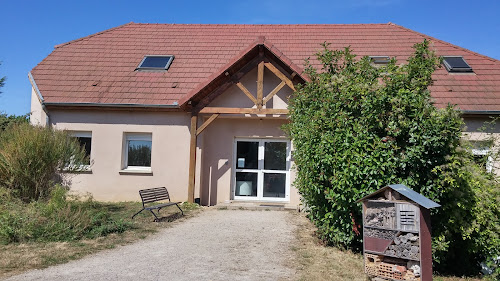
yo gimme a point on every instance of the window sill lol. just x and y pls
(142, 172)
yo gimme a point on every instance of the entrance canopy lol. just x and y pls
(261, 54)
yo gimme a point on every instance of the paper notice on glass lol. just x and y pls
(241, 162)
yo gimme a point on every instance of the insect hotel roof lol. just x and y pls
(406, 192)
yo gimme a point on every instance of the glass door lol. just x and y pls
(247, 168)
(262, 169)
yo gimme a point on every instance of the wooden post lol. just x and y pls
(425, 245)
(260, 85)
(192, 159)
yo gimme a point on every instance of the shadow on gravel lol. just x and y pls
(170, 217)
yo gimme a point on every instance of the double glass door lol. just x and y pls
(262, 169)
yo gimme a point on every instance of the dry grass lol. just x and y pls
(314, 261)
(17, 258)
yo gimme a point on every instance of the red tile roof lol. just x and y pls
(100, 68)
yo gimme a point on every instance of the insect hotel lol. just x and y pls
(397, 234)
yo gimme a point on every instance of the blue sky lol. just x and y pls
(30, 29)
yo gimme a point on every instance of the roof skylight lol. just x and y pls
(380, 59)
(456, 64)
(155, 62)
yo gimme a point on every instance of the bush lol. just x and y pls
(32, 159)
(356, 128)
(466, 229)
(55, 219)
(10, 120)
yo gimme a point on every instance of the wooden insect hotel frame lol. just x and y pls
(397, 234)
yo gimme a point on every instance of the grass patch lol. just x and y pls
(17, 257)
(56, 219)
(315, 261)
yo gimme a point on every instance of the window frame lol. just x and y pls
(134, 136)
(380, 60)
(84, 134)
(484, 152)
(167, 66)
(260, 171)
(451, 69)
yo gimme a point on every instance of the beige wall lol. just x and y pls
(170, 152)
(218, 155)
(38, 115)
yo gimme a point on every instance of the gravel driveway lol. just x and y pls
(215, 245)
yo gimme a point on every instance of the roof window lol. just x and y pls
(456, 64)
(378, 60)
(155, 62)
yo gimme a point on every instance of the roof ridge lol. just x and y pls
(444, 42)
(265, 24)
(92, 35)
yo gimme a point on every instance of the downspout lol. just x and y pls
(40, 98)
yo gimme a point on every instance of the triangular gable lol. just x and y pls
(258, 51)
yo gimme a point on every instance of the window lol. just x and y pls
(155, 62)
(137, 151)
(85, 140)
(482, 156)
(380, 60)
(456, 64)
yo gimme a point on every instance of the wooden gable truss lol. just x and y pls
(259, 100)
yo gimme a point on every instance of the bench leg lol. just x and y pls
(182, 212)
(156, 217)
(137, 213)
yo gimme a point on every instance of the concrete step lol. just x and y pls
(257, 206)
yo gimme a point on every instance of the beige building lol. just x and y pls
(198, 108)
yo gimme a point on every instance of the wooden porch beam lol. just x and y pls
(232, 110)
(206, 123)
(247, 92)
(280, 75)
(192, 159)
(233, 79)
(274, 92)
(260, 85)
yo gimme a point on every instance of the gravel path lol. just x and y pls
(215, 245)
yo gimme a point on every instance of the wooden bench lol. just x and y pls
(155, 195)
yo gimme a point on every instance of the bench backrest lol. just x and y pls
(151, 195)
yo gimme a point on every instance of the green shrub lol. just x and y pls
(55, 219)
(10, 120)
(356, 128)
(31, 159)
(466, 229)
